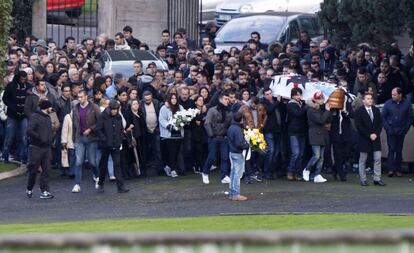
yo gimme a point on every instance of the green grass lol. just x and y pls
(221, 223)
(7, 167)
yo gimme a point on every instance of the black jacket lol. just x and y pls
(39, 130)
(296, 118)
(134, 43)
(318, 118)
(198, 132)
(110, 130)
(235, 138)
(366, 127)
(15, 97)
(273, 121)
(62, 107)
(157, 108)
(217, 121)
(32, 101)
(341, 127)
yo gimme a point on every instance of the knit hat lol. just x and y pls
(318, 95)
(114, 105)
(44, 104)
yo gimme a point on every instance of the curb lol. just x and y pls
(20, 170)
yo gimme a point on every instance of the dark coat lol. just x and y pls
(342, 129)
(366, 127)
(217, 121)
(110, 130)
(198, 132)
(134, 43)
(397, 117)
(157, 108)
(273, 120)
(235, 138)
(140, 134)
(318, 120)
(32, 101)
(14, 98)
(296, 118)
(39, 130)
(62, 107)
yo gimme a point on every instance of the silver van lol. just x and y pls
(121, 61)
(272, 26)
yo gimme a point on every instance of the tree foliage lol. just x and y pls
(22, 18)
(5, 22)
(350, 22)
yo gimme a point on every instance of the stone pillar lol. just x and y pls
(39, 16)
(146, 17)
(106, 16)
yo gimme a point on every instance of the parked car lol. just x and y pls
(208, 10)
(121, 61)
(229, 9)
(72, 8)
(272, 26)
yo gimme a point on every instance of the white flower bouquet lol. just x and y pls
(183, 118)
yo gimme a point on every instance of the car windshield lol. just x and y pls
(239, 29)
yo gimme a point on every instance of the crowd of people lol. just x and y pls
(58, 109)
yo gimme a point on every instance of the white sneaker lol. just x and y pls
(174, 174)
(319, 179)
(167, 171)
(205, 178)
(225, 180)
(96, 184)
(305, 175)
(76, 188)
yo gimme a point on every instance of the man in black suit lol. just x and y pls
(368, 124)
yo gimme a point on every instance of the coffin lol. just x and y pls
(337, 99)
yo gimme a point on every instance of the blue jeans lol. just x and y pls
(316, 159)
(395, 146)
(297, 148)
(273, 149)
(237, 168)
(90, 147)
(16, 128)
(72, 161)
(215, 144)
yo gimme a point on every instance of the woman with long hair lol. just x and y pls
(205, 93)
(199, 134)
(136, 118)
(133, 94)
(171, 138)
(245, 97)
(50, 68)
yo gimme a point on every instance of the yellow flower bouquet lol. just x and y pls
(255, 139)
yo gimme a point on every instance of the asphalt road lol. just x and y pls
(187, 196)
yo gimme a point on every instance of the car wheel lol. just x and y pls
(74, 13)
